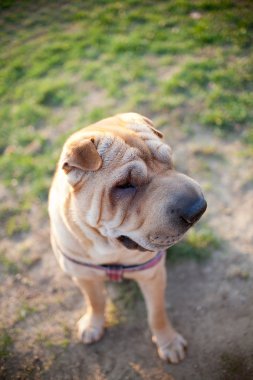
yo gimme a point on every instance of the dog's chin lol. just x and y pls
(133, 245)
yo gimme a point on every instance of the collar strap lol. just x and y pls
(115, 272)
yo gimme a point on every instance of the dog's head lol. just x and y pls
(123, 184)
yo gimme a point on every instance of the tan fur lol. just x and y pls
(88, 213)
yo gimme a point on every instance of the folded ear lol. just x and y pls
(79, 156)
(151, 126)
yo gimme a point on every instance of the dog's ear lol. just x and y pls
(151, 126)
(157, 133)
(78, 157)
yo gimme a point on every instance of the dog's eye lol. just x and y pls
(125, 190)
(127, 185)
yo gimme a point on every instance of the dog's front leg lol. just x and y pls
(91, 325)
(171, 345)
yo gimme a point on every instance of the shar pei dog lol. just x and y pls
(116, 204)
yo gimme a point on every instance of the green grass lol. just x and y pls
(222, 90)
(12, 219)
(204, 151)
(128, 293)
(25, 311)
(9, 266)
(46, 341)
(184, 61)
(197, 245)
(5, 343)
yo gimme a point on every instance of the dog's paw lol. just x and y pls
(173, 350)
(90, 329)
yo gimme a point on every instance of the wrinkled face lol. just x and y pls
(125, 186)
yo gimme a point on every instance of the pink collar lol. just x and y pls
(115, 272)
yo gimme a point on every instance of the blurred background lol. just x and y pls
(188, 66)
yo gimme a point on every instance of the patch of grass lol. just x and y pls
(30, 261)
(48, 342)
(25, 311)
(14, 220)
(193, 78)
(96, 114)
(16, 225)
(5, 343)
(197, 245)
(64, 343)
(128, 293)
(113, 317)
(216, 91)
(57, 94)
(207, 151)
(9, 266)
(7, 212)
(248, 137)
(227, 110)
(43, 339)
(23, 168)
(66, 331)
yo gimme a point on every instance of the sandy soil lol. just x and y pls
(209, 302)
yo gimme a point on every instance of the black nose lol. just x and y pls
(193, 211)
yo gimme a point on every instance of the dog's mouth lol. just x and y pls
(130, 244)
(165, 244)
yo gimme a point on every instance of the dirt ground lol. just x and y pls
(209, 302)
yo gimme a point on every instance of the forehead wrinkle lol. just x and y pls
(123, 146)
(118, 128)
(147, 144)
(118, 133)
(135, 168)
(109, 148)
(134, 145)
